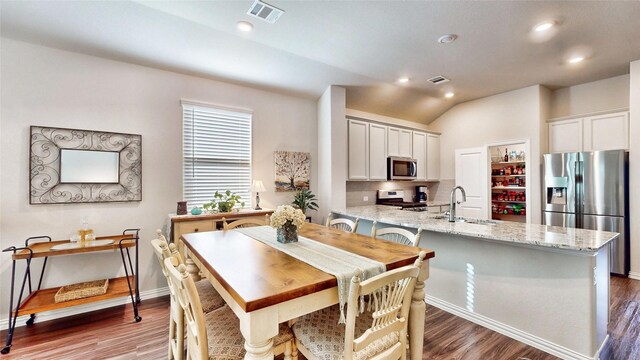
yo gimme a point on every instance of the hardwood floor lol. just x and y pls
(624, 325)
(112, 334)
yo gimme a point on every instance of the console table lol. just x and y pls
(187, 224)
(39, 300)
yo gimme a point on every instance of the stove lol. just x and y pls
(396, 198)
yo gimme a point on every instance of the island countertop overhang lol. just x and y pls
(551, 237)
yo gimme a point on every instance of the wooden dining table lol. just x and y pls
(265, 287)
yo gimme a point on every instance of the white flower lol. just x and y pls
(286, 213)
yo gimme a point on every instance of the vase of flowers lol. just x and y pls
(286, 220)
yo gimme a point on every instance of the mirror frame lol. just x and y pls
(46, 144)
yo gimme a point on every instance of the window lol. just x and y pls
(216, 152)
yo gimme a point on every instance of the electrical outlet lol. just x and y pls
(365, 198)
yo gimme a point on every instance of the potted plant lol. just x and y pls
(305, 200)
(223, 201)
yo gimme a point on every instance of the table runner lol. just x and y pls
(337, 262)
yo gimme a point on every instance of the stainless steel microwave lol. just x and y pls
(399, 168)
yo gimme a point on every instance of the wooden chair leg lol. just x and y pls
(294, 350)
(172, 334)
(179, 337)
(287, 351)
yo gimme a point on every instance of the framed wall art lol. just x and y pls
(293, 170)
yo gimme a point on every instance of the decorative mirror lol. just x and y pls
(84, 166)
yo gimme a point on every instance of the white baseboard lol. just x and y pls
(74, 310)
(532, 340)
(634, 275)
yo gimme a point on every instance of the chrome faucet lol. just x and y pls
(453, 202)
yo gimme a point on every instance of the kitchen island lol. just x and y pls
(543, 285)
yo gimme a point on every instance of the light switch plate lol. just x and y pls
(365, 198)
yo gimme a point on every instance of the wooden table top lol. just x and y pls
(257, 275)
(43, 248)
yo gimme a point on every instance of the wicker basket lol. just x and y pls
(82, 290)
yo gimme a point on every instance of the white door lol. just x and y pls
(471, 174)
(420, 154)
(377, 152)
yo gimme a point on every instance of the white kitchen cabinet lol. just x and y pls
(590, 133)
(606, 132)
(433, 157)
(358, 150)
(565, 136)
(399, 142)
(377, 152)
(420, 154)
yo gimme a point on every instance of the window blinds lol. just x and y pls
(216, 152)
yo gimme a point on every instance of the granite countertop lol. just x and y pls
(505, 231)
(436, 203)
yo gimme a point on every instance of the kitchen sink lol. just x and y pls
(477, 221)
(468, 221)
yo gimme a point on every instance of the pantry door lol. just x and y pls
(472, 174)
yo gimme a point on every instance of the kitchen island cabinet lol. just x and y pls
(546, 286)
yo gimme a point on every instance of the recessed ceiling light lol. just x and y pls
(446, 39)
(544, 26)
(403, 80)
(244, 26)
(576, 59)
(449, 95)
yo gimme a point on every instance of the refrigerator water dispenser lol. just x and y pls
(556, 190)
(557, 196)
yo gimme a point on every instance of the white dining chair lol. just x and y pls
(378, 334)
(342, 224)
(397, 235)
(211, 300)
(242, 223)
(216, 335)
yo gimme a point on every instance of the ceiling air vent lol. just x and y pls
(265, 11)
(438, 80)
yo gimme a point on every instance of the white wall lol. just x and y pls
(634, 167)
(332, 151)
(514, 115)
(601, 95)
(43, 86)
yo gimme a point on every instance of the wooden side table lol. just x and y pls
(187, 224)
(40, 300)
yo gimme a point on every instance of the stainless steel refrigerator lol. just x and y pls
(589, 190)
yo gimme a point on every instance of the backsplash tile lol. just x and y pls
(357, 190)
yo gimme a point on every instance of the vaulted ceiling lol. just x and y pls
(362, 45)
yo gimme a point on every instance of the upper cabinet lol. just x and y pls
(433, 157)
(420, 154)
(606, 132)
(377, 152)
(371, 143)
(592, 133)
(399, 142)
(358, 150)
(565, 136)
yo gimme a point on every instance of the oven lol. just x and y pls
(399, 168)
